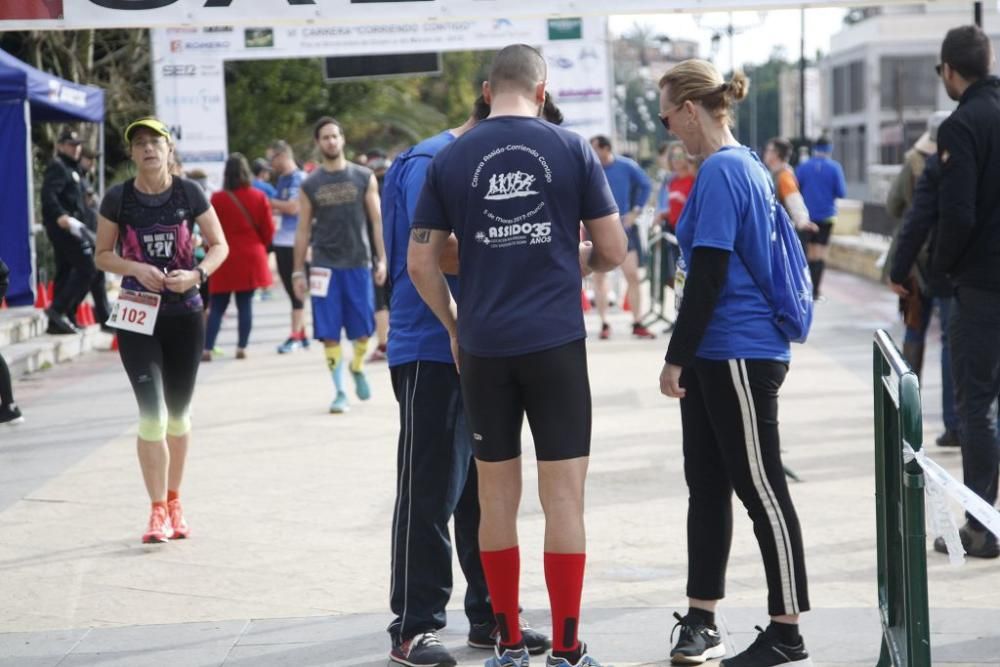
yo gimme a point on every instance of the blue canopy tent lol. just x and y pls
(28, 94)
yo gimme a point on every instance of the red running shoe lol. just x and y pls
(177, 522)
(640, 331)
(159, 529)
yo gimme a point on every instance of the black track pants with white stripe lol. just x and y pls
(730, 421)
(435, 479)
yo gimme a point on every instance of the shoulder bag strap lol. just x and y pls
(243, 209)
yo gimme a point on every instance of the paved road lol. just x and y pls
(291, 506)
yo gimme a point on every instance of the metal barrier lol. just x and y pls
(899, 503)
(658, 243)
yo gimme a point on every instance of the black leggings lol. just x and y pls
(286, 258)
(162, 369)
(730, 420)
(6, 388)
(550, 386)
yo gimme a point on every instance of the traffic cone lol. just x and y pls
(584, 301)
(114, 343)
(626, 306)
(42, 299)
(51, 288)
(3, 304)
(81, 316)
(88, 315)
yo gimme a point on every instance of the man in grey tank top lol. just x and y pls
(336, 203)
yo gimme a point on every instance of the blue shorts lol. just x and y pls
(349, 304)
(634, 242)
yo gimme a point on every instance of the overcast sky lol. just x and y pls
(757, 39)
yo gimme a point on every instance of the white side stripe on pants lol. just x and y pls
(783, 545)
(405, 479)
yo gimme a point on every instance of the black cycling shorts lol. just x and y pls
(821, 236)
(551, 387)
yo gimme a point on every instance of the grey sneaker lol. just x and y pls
(422, 650)
(509, 657)
(585, 660)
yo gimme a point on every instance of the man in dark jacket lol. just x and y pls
(63, 213)
(968, 251)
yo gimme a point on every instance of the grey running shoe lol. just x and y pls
(422, 650)
(509, 657)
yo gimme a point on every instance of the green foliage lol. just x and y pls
(273, 99)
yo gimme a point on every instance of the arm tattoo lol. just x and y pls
(420, 235)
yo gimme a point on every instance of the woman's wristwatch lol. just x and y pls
(203, 273)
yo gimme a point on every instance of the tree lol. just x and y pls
(115, 60)
(282, 98)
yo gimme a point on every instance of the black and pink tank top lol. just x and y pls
(158, 230)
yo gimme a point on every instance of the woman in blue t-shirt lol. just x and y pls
(725, 362)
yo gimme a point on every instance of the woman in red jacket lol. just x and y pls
(245, 214)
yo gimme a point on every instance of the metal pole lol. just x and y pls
(29, 157)
(802, 74)
(977, 13)
(100, 160)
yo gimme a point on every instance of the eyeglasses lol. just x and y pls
(155, 142)
(937, 68)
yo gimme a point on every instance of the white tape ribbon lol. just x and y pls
(940, 484)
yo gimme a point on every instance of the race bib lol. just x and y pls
(319, 281)
(679, 278)
(135, 311)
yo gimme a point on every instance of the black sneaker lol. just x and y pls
(977, 543)
(696, 642)
(948, 439)
(768, 651)
(422, 650)
(58, 324)
(10, 414)
(484, 635)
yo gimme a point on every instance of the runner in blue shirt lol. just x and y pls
(821, 180)
(726, 362)
(262, 177)
(630, 187)
(286, 203)
(514, 190)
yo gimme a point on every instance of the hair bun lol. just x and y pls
(738, 86)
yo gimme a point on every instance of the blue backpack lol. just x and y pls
(791, 289)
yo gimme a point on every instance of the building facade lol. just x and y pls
(880, 86)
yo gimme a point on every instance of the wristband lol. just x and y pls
(298, 274)
(203, 273)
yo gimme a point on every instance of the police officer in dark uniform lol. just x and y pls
(63, 215)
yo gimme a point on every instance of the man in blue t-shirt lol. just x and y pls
(434, 475)
(286, 204)
(514, 190)
(631, 187)
(821, 180)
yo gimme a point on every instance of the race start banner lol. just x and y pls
(190, 89)
(77, 14)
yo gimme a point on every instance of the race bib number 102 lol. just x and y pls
(135, 311)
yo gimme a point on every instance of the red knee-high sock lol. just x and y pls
(564, 579)
(503, 574)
